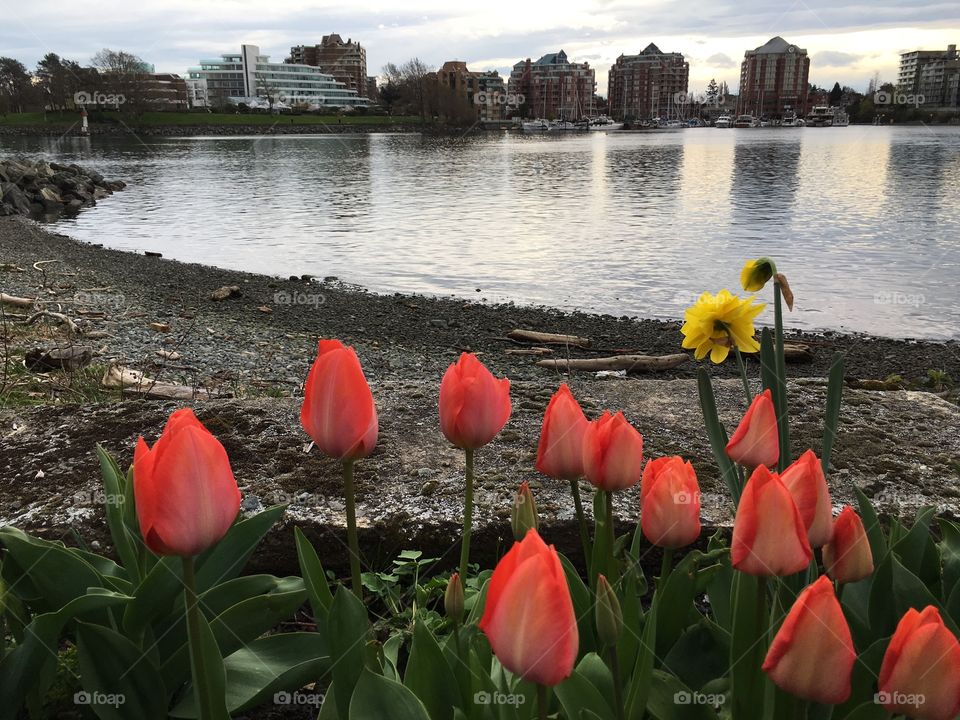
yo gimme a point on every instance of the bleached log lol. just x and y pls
(630, 363)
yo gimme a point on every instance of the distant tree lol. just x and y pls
(835, 94)
(411, 83)
(51, 78)
(16, 86)
(125, 75)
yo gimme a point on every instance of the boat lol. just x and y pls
(536, 126)
(724, 121)
(745, 121)
(790, 119)
(823, 116)
(565, 126)
(601, 123)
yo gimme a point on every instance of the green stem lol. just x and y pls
(467, 518)
(194, 627)
(349, 492)
(617, 683)
(542, 703)
(781, 403)
(743, 375)
(582, 522)
(666, 566)
(612, 575)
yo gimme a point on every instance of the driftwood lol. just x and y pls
(542, 338)
(60, 317)
(797, 352)
(20, 302)
(135, 382)
(530, 351)
(630, 363)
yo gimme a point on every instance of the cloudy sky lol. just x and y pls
(847, 42)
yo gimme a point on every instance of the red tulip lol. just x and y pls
(560, 453)
(812, 654)
(769, 537)
(670, 502)
(474, 405)
(612, 452)
(338, 410)
(756, 440)
(920, 673)
(184, 489)
(808, 486)
(529, 617)
(848, 557)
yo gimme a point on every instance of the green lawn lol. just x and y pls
(201, 118)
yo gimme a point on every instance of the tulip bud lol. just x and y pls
(756, 440)
(524, 515)
(612, 453)
(560, 452)
(453, 598)
(184, 490)
(529, 618)
(812, 654)
(756, 273)
(474, 405)
(608, 614)
(847, 557)
(920, 673)
(670, 503)
(338, 412)
(769, 537)
(805, 480)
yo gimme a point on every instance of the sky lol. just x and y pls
(847, 42)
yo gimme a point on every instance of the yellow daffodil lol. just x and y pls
(719, 322)
(756, 273)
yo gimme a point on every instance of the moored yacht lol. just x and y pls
(724, 121)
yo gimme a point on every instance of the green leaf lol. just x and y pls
(209, 679)
(883, 616)
(347, 629)
(114, 487)
(120, 680)
(639, 686)
(594, 669)
(670, 699)
(582, 605)
(228, 557)
(156, 595)
(318, 589)
(600, 563)
(748, 646)
(676, 608)
(917, 550)
(281, 663)
(909, 591)
(950, 555)
(871, 523)
(780, 396)
(717, 434)
(867, 711)
(577, 695)
(700, 655)
(831, 419)
(377, 697)
(429, 676)
(720, 584)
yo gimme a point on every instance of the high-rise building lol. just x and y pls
(932, 76)
(462, 94)
(554, 87)
(774, 80)
(250, 78)
(346, 61)
(651, 84)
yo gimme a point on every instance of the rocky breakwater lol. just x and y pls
(38, 187)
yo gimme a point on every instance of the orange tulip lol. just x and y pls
(474, 405)
(338, 410)
(848, 557)
(529, 617)
(812, 654)
(612, 452)
(805, 480)
(670, 502)
(560, 453)
(756, 440)
(920, 673)
(769, 537)
(184, 489)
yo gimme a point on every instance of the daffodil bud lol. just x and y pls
(756, 273)
(608, 614)
(453, 598)
(524, 515)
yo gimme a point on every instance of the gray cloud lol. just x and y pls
(721, 60)
(835, 59)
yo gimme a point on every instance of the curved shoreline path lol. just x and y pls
(901, 447)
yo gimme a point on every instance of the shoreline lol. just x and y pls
(201, 130)
(266, 334)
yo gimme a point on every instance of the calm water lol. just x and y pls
(865, 221)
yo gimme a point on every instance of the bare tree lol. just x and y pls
(411, 80)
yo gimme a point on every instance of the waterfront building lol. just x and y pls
(346, 61)
(373, 92)
(249, 77)
(931, 76)
(774, 80)
(465, 95)
(553, 87)
(650, 84)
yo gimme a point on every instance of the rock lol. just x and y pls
(227, 291)
(41, 188)
(159, 327)
(69, 358)
(903, 463)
